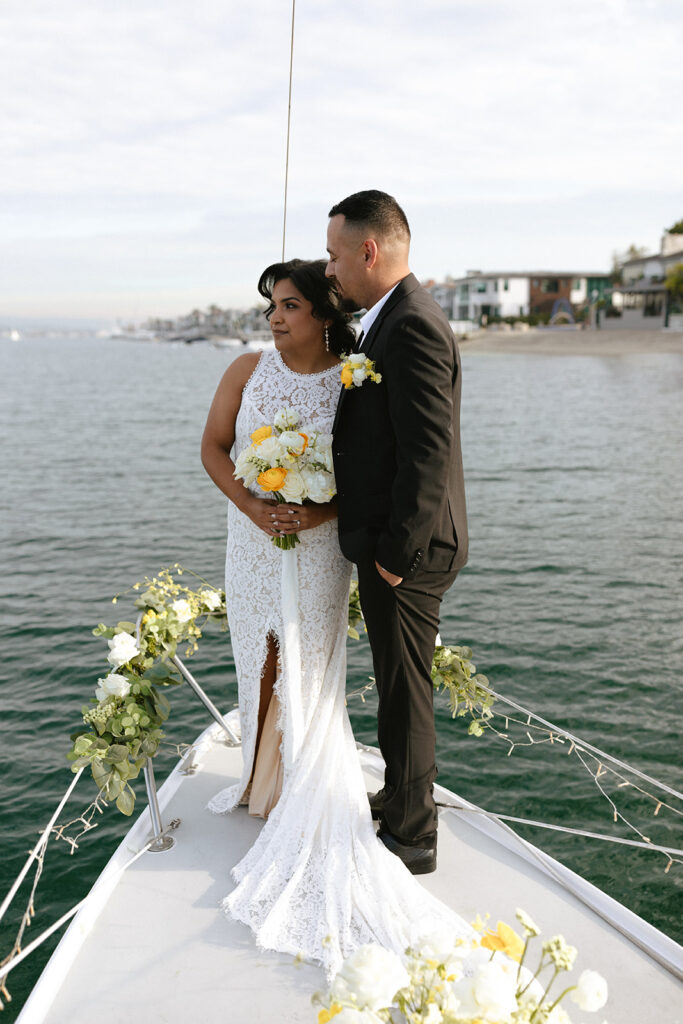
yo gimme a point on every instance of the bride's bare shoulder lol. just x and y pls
(240, 370)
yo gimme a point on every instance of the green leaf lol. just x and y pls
(102, 630)
(126, 627)
(114, 787)
(116, 753)
(126, 801)
(100, 773)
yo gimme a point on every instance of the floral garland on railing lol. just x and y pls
(123, 723)
(441, 979)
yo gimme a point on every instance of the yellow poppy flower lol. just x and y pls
(504, 940)
(347, 376)
(272, 479)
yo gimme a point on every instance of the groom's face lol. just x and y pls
(346, 263)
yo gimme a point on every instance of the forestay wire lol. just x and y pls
(289, 123)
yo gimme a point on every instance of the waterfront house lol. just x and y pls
(482, 296)
(642, 293)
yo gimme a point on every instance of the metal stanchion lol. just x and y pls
(232, 739)
(163, 842)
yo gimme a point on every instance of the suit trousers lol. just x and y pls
(402, 624)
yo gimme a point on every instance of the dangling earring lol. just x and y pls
(327, 338)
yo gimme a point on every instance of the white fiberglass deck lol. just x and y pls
(154, 945)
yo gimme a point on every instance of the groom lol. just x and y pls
(401, 499)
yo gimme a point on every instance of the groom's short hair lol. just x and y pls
(376, 210)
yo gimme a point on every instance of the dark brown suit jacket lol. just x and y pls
(397, 456)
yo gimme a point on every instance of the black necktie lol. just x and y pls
(359, 341)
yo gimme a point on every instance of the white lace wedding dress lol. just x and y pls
(317, 882)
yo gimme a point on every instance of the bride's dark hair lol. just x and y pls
(308, 277)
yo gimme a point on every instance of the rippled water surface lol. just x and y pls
(571, 601)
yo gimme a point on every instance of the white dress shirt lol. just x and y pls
(368, 319)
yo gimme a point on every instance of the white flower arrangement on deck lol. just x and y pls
(442, 980)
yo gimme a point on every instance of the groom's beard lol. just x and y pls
(348, 305)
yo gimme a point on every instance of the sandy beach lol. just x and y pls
(573, 343)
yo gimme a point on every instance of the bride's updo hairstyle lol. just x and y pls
(308, 277)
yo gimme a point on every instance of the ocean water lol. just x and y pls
(571, 602)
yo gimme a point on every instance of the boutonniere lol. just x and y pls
(356, 369)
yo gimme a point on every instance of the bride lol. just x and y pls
(317, 882)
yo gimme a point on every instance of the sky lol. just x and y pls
(143, 143)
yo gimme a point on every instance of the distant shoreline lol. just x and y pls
(573, 343)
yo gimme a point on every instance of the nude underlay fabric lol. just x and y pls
(266, 785)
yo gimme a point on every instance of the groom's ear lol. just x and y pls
(370, 252)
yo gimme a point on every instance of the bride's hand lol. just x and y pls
(295, 518)
(263, 513)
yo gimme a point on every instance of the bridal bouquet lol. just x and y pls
(292, 465)
(445, 980)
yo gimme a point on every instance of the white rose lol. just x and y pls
(292, 441)
(271, 450)
(211, 599)
(357, 359)
(488, 994)
(590, 992)
(182, 609)
(286, 418)
(494, 991)
(122, 648)
(436, 944)
(319, 484)
(321, 451)
(112, 686)
(245, 469)
(293, 488)
(372, 976)
(358, 377)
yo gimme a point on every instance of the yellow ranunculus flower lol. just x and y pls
(261, 434)
(347, 376)
(326, 1015)
(272, 479)
(504, 940)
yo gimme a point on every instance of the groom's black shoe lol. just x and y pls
(376, 801)
(419, 860)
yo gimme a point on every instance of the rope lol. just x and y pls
(586, 746)
(35, 852)
(109, 881)
(548, 866)
(562, 828)
(289, 121)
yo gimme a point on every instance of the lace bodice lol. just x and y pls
(273, 384)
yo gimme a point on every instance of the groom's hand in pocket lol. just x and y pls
(390, 577)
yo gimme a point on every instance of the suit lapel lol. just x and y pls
(404, 287)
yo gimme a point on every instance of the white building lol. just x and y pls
(642, 293)
(515, 293)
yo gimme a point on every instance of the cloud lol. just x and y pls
(150, 125)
